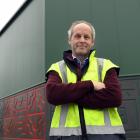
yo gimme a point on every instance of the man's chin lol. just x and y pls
(82, 53)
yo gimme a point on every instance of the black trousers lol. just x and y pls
(91, 137)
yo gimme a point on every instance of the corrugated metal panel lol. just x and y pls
(116, 23)
(22, 46)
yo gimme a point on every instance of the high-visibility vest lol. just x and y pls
(65, 120)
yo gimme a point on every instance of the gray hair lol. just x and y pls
(70, 31)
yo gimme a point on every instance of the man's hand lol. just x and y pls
(98, 85)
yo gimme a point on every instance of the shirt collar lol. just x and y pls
(74, 57)
(79, 62)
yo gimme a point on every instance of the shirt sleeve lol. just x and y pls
(59, 93)
(108, 97)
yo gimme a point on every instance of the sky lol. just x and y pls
(8, 9)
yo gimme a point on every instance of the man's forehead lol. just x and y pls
(81, 26)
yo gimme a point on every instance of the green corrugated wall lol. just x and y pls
(116, 23)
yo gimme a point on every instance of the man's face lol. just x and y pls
(81, 40)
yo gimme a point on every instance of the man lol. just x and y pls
(75, 85)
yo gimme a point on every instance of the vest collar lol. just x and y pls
(92, 55)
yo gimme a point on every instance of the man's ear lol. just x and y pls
(93, 42)
(69, 42)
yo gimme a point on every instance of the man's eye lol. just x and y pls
(77, 36)
(86, 37)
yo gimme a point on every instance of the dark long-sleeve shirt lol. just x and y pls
(83, 92)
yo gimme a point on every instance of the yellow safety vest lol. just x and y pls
(65, 121)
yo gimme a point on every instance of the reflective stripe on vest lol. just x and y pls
(64, 108)
(62, 130)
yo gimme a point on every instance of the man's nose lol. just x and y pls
(82, 39)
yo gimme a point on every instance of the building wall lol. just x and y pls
(22, 55)
(39, 35)
(116, 23)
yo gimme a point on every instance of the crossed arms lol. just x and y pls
(89, 94)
